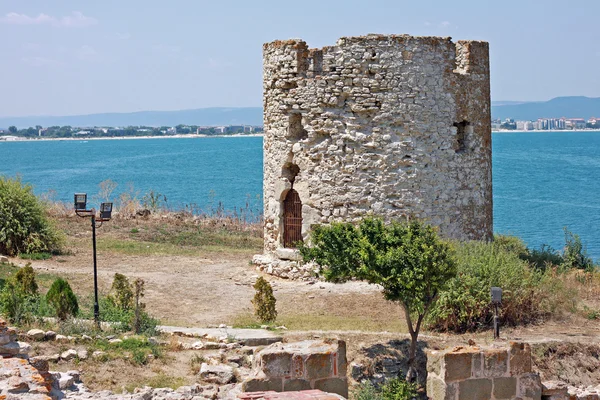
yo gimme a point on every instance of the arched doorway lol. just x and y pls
(292, 219)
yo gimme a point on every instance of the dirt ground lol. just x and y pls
(211, 286)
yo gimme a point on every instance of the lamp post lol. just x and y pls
(496, 293)
(80, 202)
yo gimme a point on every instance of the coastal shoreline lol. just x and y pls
(544, 131)
(85, 138)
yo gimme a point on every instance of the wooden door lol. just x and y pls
(292, 219)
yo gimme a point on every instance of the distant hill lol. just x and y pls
(202, 116)
(569, 107)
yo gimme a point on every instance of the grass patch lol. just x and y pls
(160, 380)
(36, 256)
(309, 322)
(135, 350)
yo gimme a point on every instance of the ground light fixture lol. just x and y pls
(80, 203)
(496, 294)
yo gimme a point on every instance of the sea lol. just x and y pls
(543, 182)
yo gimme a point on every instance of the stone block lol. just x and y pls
(475, 389)
(333, 385)
(505, 388)
(520, 358)
(293, 385)
(434, 362)
(319, 366)
(342, 361)
(495, 363)
(555, 390)
(457, 364)
(438, 390)
(276, 364)
(529, 387)
(260, 383)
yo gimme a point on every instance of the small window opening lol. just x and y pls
(295, 130)
(463, 129)
(290, 171)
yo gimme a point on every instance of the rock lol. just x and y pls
(68, 355)
(82, 354)
(223, 326)
(65, 381)
(197, 345)
(115, 341)
(86, 338)
(50, 335)
(288, 254)
(24, 348)
(75, 374)
(357, 371)
(3, 259)
(36, 334)
(98, 354)
(211, 345)
(219, 374)
(61, 338)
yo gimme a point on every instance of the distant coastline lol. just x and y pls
(85, 138)
(542, 131)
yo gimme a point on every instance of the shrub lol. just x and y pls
(393, 389)
(24, 226)
(264, 301)
(25, 279)
(121, 292)
(19, 299)
(575, 255)
(61, 297)
(528, 294)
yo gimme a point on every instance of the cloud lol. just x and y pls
(86, 53)
(445, 24)
(42, 62)
(75, 20)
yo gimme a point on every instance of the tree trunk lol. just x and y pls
(411, 375)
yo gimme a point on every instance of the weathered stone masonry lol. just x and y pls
(394, 126)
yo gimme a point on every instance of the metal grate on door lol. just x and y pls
(292, 219)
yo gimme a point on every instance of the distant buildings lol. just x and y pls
(547, 124)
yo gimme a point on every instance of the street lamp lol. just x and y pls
(80, 203)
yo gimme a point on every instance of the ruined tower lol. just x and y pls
(392, 126)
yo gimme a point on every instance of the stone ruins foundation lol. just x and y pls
(395, 126)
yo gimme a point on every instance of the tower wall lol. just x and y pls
(393, 126)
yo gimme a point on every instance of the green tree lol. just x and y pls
(25, 279)
(122, 292)
(19, 297)
(408, 260)
(61, 297)
(24, 226)
(12, 129)
(264, 301)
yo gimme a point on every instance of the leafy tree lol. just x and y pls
(19, 297)
(61, 297)
(121, 292)
(24, 226)
(12, 129)
(410, 262)
(25, 279)
(575, 254)
(264, 301)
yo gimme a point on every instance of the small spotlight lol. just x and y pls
(105, 211)
(80, 201)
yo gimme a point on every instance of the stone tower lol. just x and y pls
(394, 126)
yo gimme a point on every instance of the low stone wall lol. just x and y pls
(473, 373)
(303, 395)
(300, 366)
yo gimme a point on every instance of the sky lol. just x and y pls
(68, 57)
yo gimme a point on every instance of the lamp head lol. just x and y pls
(106, 211)
(80, 201)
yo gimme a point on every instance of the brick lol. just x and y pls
(293, 385)
(520, 358)
(434, 362)
(457, 366)
(333, 385)
(530, 387)
(475, 389)
(319, 366)
(276, 364)
(505, 388)
(495, 363)
(438, 390)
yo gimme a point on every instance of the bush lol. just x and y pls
(393, 389)
(121, 292)
(264, 301)
(19, 298)
(575, 255)
(61, 297)
(528, 294)
(24, 226)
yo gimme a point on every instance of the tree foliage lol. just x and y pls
(121, 292)
(19, 297)
(61, 297)
(410, 262)
(264, 301)
(24, 226)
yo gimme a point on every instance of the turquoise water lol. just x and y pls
(542, 181)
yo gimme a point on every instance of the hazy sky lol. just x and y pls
(64, 57)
